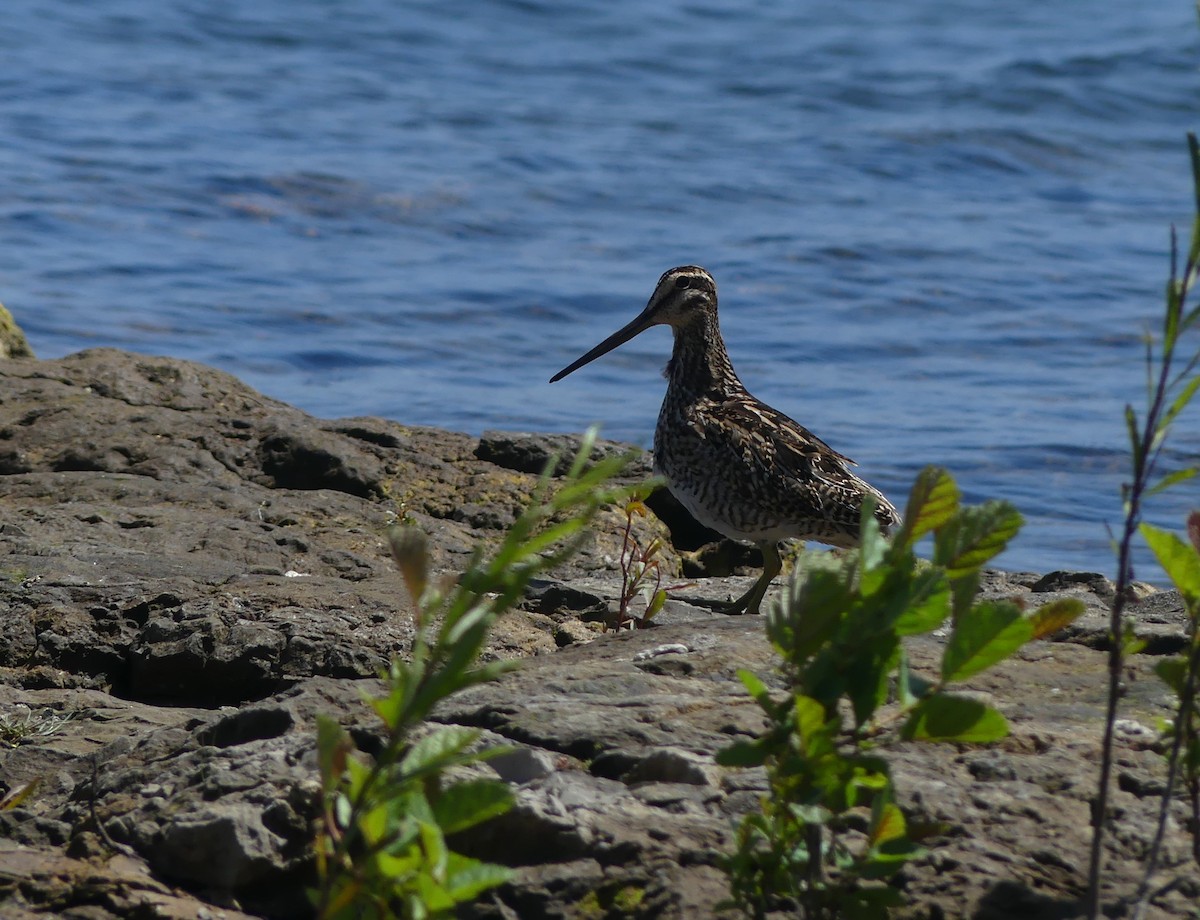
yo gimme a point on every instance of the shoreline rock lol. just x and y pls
(192, 571)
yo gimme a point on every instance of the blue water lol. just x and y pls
(939, 230)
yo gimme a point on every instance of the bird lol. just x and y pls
(740, 467)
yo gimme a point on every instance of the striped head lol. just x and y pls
(681, 295)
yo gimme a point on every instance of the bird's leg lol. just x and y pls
(752, 599)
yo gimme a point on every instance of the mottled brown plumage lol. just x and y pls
(741, 467)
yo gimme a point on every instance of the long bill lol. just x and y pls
(643, 322)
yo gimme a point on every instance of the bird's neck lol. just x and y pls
(699, 362)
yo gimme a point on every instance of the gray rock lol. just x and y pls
(192, 572)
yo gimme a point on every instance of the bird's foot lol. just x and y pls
(750, 602)
(732, 608)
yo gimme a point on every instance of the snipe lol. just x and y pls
(739, 466)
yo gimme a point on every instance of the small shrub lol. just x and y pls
(382, 849)
(1181, 562)
(1172, 381)
(641, 573)
(24, 724)
(830, 832)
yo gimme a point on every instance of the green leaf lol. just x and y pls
(333, 745)
(656, 604)
(928, 603)
(1135, 435)
(1194, 154)
(586, 444)
(1174, 310)
(373, 824)
(974, 536)
(1179, 560)
(910, 687)
(457, 655)
(1050, 618)
(431, 897)
(468, 628)
(357, 775)
(869, 903)
(885, 860)
(405, 828)
(342, 810)
(408, 800)
(809, 814)
(470, 802)
(824, 597)
(933, 501)
(942, 717)
(887, 822)
(468, 878)
(811, 719)
(756, 688)
(964, 588)
(437, 750)
(989, 633)
(1131, 642)
(743, 754)
(1180, 402)
(871, 774)
(547, 538)
(867, 674)
(872, 545)
(1173, 673)
(1173, 479)
(433, 842)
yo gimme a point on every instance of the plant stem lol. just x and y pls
(813, 840)
(1146, 450)
(1115, 661)
(1194, 791)
(1143, 463)
(1183, 730)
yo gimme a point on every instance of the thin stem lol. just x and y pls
(1142, 464)
(814, 842)
(1100, 806)
(628, 583)
(1145, 458)
(1182, 736)
(1194, 790)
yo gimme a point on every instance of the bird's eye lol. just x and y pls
(683, 282)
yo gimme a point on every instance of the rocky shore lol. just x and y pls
(191, 572)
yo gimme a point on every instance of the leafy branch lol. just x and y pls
(641, 572)
(1181, 562)
(840, 634)
(1169, 389)
(382, 850)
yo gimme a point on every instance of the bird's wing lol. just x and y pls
(785, 441)
(788, 452)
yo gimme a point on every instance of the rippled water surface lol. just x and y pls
(939, 231)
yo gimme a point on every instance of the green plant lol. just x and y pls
(23, 724)
(382, 850)
(1169, 390)
(830, 832)
(1181, 735)
(641, 571)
